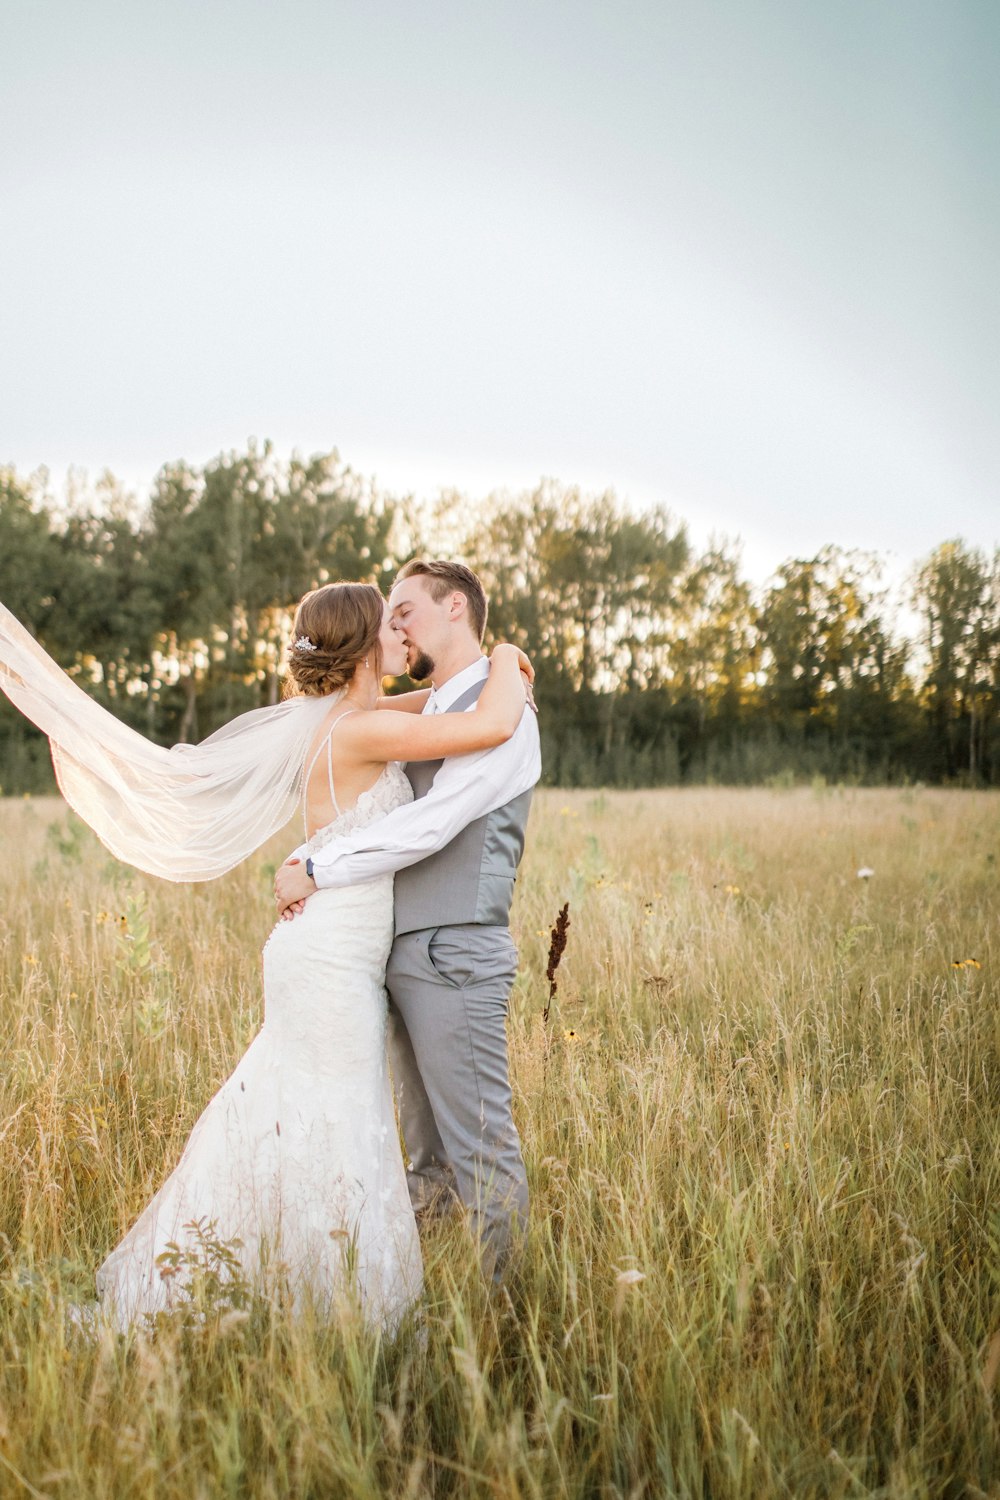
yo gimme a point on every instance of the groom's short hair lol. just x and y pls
(451, 578)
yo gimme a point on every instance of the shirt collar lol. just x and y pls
(443, 697)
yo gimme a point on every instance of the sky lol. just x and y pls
(737, 258)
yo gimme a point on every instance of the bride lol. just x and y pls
(295, 1164)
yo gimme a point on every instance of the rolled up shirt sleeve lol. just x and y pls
(466, 787)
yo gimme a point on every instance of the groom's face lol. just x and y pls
(423, 622)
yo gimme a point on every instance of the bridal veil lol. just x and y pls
(187, 813)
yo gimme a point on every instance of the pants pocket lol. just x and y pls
(450, 957)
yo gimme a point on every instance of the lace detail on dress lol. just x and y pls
(390, 791)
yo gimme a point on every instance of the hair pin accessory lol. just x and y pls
(303, 644)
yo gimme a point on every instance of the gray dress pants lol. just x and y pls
(449, 989)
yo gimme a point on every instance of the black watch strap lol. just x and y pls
(309, 868)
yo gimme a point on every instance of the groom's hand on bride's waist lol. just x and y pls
(292, 888)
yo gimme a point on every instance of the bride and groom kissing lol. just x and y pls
(414, 811)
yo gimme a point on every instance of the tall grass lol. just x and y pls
(761, 1132)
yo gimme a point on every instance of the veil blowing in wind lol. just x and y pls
(187, 813)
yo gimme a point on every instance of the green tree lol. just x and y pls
(957, 591)
(30, 557)
(232, 548)
(589, 586)
(712, 652)
(829, 669)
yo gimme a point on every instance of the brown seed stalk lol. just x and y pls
(557, 946)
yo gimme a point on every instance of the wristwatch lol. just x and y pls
(309, 868)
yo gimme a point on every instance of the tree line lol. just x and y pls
(656, 663)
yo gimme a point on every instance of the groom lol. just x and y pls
(455, 851)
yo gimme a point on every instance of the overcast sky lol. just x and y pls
(741, 258)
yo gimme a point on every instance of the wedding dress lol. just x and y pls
(297, 1156)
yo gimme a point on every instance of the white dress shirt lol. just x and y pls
(465, 788)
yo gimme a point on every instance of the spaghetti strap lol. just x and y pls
(329, 768)
(326, 740)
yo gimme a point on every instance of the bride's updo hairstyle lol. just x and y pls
(336, 627)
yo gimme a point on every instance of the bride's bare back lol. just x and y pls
(336, 778)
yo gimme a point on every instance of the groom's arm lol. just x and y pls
(466, 787)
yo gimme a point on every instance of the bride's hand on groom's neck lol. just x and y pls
(523, 659)
(527, 672)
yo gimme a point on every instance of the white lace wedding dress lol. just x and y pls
(297, 1156)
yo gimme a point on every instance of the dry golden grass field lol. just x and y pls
(761, 1128)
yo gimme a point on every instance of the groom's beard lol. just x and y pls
(421, 667)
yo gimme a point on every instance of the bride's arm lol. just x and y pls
(406, 703)
(406, 736)
(413, 701)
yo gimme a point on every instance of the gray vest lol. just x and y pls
(472, 878)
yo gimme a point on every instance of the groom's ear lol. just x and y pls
(458, 606)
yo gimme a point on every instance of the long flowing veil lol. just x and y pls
(191, 812)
